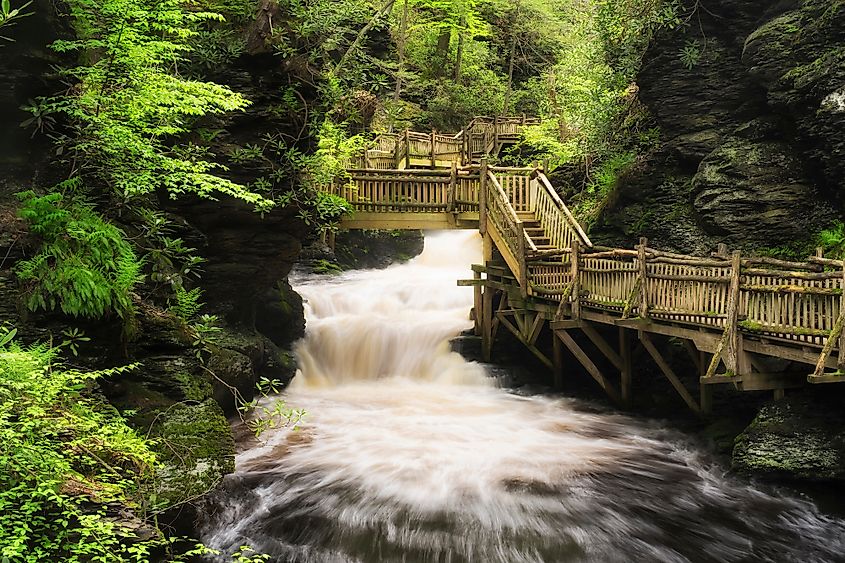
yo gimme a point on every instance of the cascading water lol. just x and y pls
(409, 453)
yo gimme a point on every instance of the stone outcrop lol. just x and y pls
(753, 133)
(799, 438)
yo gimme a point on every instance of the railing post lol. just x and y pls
(482, 196)
(840, 363)
(496, 135)
(523, 263)
(407, 149)
(732, 351)
(574, 265)
(641, 258)
(433, 151)
(453, 189)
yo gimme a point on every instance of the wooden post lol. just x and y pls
(732, 345)
(706, 397)
(496, 135)
(643, 275)
(574, 259)
(487, 324)
(840, 363)
(722, 250)
(523, 262)
(453, 188)
(557, 359)
(407, 149)
(627, 365)
(476, 302)
(482, 196)
(433, 151)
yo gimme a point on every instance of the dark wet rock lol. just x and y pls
(756, 194)
(366, 249)
(753, 135)
(797, 438)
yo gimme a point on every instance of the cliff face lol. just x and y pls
(753, 133)
(173, 395)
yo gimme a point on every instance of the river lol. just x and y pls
(409, 453)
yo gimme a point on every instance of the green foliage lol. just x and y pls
(130, 100)
(268, 415)
(84, 267)
(65, 458)
(9, 16)
(186, 304)
(602, 186)
(690, 54)
(832, 240)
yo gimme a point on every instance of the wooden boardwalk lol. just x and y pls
(739, 317)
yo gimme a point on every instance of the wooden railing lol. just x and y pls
(484, 135)
(782, 301)
(555, 218)
(507, 227)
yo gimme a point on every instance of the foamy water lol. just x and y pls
(409, 453)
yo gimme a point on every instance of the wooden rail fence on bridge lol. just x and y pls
(541, 270)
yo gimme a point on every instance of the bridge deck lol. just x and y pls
(729, 309)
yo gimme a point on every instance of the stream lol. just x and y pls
(409, 453)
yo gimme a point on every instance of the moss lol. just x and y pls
(194, 387)
(196, 448)
(790, 439)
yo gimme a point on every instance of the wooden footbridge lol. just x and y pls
(745, 321)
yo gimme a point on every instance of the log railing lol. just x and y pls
(555, 218)
(782, 301)
(482, 136)
(507, 227)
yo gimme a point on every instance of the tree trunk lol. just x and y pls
(459, 57)
(443, 43)
(511, 65)
(400, 47)
(362, 34)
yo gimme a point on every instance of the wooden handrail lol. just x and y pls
(568, 214)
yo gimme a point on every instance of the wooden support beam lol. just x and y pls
(645, 339)
(536, 328)
(627, 369)
(603, 346)
(521, 337)
(557, 360)
(477, 294)
(487, 324)
(588, 364)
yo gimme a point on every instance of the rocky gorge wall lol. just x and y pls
(179, 394)
(753, 131)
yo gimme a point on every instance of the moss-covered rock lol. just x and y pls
(196, 448)
(756, 193)
(793, 439)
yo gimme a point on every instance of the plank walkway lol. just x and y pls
(732, 313)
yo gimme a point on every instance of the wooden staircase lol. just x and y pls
(540, 240)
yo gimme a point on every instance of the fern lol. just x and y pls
(833, 239)
(85, 267)
(186, 304)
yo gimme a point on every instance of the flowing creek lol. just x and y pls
(409, 453)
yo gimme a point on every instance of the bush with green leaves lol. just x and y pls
(130, 100)
(84, 266)
(66, 457)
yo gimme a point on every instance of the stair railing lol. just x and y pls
(508, 227)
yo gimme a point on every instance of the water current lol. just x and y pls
(409, 453)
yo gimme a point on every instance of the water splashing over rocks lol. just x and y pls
(411, 454)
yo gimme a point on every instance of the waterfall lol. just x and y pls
(409, 453)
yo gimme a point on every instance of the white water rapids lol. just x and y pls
(411, 454)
